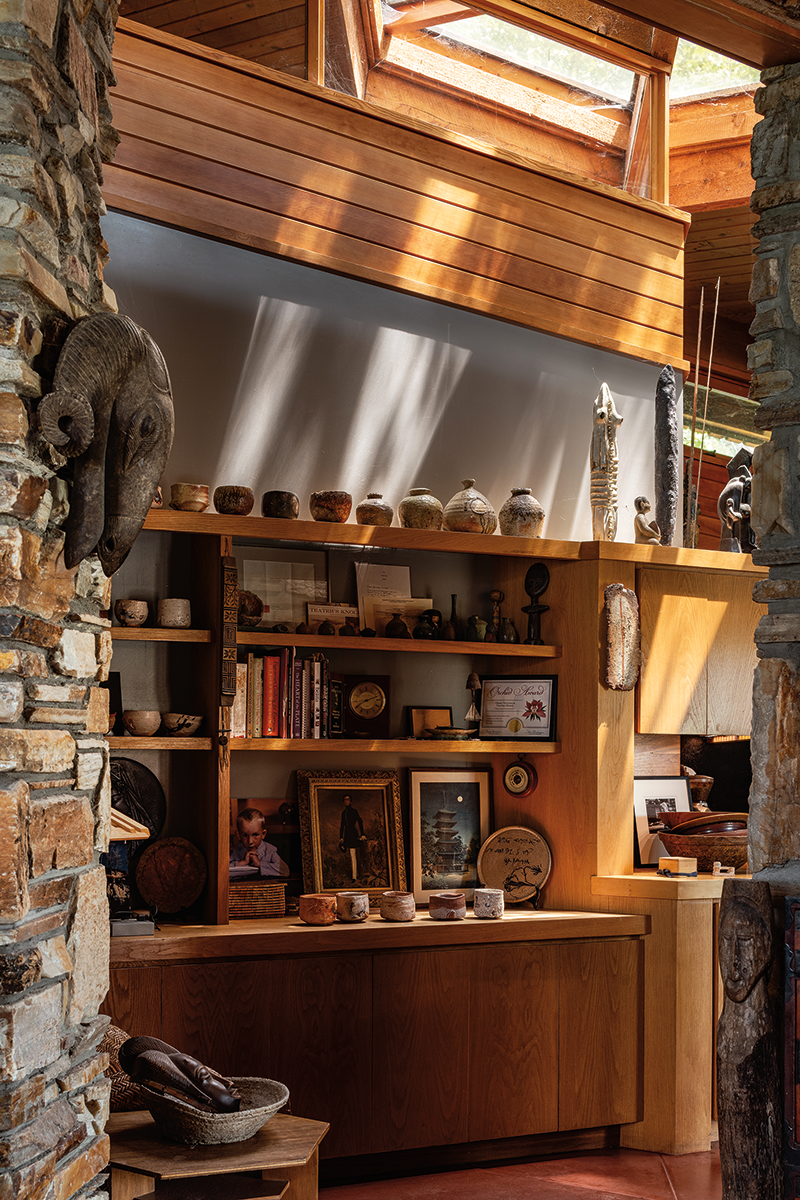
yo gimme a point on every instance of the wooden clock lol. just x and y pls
(366, 706)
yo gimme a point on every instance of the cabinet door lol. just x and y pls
(675, 638)
(732, 656)
(134, 1000)
(421, 1048)
(600, 1033)
(513, 1041)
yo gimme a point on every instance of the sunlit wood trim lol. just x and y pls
(636, 176)
(714, 121)
(423, 13)
(659, 138)
(346, 45)
(315, 41)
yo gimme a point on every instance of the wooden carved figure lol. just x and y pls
(605, 462)
(748, 1080)
(646, 533)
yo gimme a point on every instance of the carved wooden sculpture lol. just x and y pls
(110, 410)
(158, 1065)
(668, 455)
(748, 1081)
(605, 461)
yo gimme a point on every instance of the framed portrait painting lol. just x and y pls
(351, 831)
(450, 813)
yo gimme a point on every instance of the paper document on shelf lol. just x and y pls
(381, 581)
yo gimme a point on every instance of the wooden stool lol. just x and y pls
(285, 1153)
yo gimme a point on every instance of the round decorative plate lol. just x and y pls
(136, 791)
(516, 859)
(171, 874)
(520, 779)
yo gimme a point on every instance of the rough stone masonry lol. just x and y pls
(55, 133)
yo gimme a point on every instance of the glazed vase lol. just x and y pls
(451, 632)
(374, 510)
(420, 510)
(522, 515)
(469, 511)
(507, 632)
(396, 628)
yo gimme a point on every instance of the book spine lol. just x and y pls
(324, 701)
(336, 705)
(307, 696)
(285, 660)
(239, 711)
(258, 697)
(317, 699)
(272, 701)
(297, 698)
(251, 683)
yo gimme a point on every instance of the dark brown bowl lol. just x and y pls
(704, 822)
(731, 851)
(330, 506)
(233, 500)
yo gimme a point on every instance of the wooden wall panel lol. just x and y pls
(338, 183)
(732, 657)
(673, 684)
(133, 1000)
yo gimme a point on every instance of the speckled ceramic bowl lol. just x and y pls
(234, 501)
(330, 506)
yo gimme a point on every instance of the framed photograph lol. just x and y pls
(351, 831)
(651, 797)
(518, 708)
(422, 720)
(264, 840)
(286, 581)
(450, 813)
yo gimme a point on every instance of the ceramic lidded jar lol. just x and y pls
(420, 510)
(469, 511)
(374, 510)
(522, 515)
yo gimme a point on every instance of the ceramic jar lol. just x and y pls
(330, 506)
(352, 907)
(284, 505)
(447, 906)
(141, 722)
(131, 613)
(522, 515)
(488, 902)
(398, 906)
(374, 510)
(189, 497)
(317, 908)
(233, 500)
(174, 614)
(420, 510)
(469, 511)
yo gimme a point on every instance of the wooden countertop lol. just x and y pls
(288, 935)
(651, 886)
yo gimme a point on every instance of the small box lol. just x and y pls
(131, 927)
(678, 866)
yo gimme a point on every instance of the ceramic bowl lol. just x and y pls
(284, 505)
(189, 497)
(131, 613)
(234, 500)
(141, 722)
(447, 906)
(318, 908)
(251, 608)
(330, 506)
(398, 906)
(700, 786)
(180, 724)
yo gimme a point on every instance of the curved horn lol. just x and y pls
(66, 420)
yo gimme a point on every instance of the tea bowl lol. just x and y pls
(180, 724)
(330, 506)
(284, 505)
(141, 722)
(131, 613)
(189, 497)
(234, 500)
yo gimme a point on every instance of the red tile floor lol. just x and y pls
(603, 1175)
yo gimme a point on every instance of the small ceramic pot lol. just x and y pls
(180, 724)
(488, 902)
(469, 511)
(522, 515)
(398, 906)
(330, 506)
(174, 614)
(352, 906)
(420, 510)
(283, 505)
(141, 722)
(189, 497)
(447, 906)
(318, 909)
(251, 608)
(233, 500)
(131, 613)
(374, 510)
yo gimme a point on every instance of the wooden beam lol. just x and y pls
(659, 138)
(315, 42)
(423, 13)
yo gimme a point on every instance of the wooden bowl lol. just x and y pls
(697, 820)
(730, 850)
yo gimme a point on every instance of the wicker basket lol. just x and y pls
(248, 900)
(707, 849)
(261, 1099)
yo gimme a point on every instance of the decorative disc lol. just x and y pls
(520, 779)
(516, 859)
(171, 874)
(136, 791)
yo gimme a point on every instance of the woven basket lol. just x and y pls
(707, 849)
(261, 1099)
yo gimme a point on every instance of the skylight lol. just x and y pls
(526, 49)
(698, 71)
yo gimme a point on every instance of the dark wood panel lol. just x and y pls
(421, 1066)
(220, 1013)
(134, 1000)
(513, 1042)
(600, 1034)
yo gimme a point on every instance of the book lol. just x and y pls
(336, 705)
(271, 703)
(239, 707)
(316, 700)
(297, 698)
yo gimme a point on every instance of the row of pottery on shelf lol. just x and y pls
(467, 512)
(172, 613)
(320, 908)
(144, 722)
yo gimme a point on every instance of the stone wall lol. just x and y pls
(775, 360)
(55, 131)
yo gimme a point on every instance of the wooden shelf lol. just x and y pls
(158, 743)
(389, 746)
(120, 633)
(403, 645)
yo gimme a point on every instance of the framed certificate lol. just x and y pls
(518, 708)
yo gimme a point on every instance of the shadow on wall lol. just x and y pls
(285, 376)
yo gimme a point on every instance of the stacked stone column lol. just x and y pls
(55, 132)
(775, 360)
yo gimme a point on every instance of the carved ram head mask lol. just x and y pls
(110, 410)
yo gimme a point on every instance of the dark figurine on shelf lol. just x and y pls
(396, 628)
(326, 629)
(507, 632)
(451, 632)
(368, 633)
(497, 599)
(157, 1065)
(733, 506)
(348, 630)
(537, 581)
(428, 624)
(304, 629)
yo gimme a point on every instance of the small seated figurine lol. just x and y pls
(156, 1064)
(646, 532)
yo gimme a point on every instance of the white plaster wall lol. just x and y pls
(289, 377)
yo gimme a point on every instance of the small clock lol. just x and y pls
(520, 779)
(367, 706)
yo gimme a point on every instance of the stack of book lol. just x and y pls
(279, 695)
